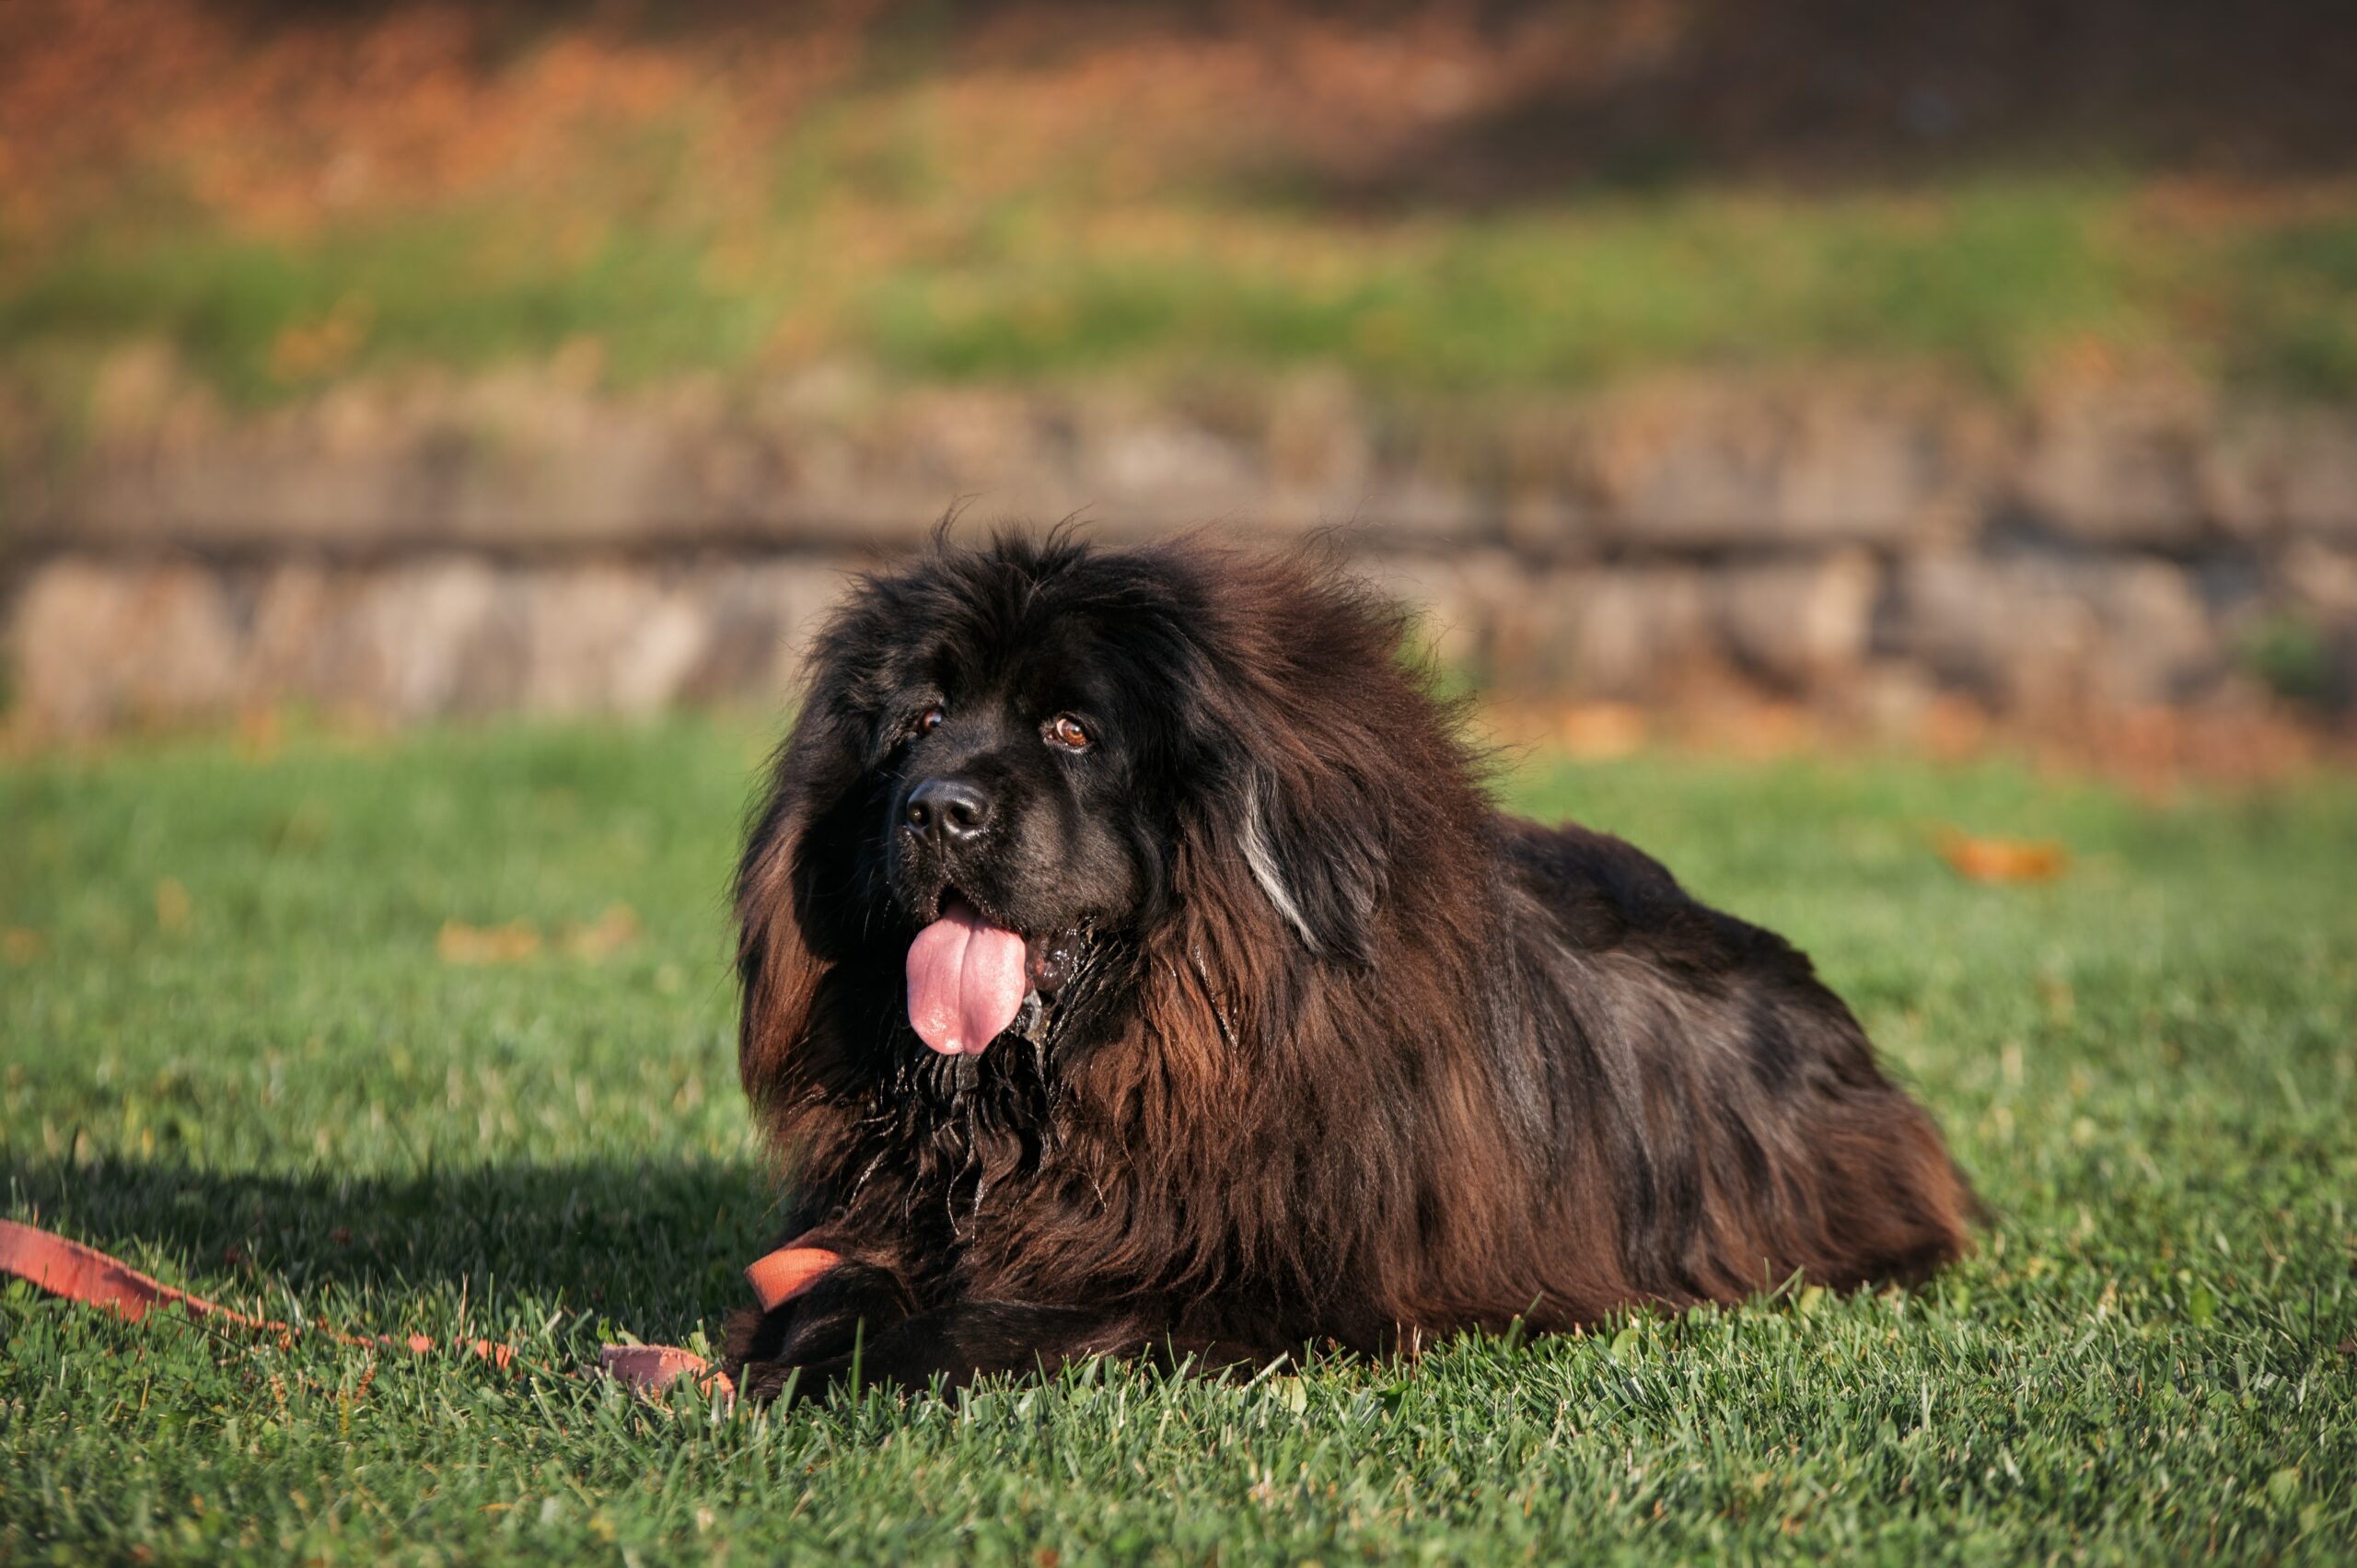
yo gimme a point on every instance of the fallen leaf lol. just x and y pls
(306, 352)
(259, 734)
(614, 929)
(1981, 859)
(1599, 731)
(2061, 1002)
(1763, 731)
(462, 944)
(171, 904)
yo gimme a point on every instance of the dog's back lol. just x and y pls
(1745, 1125)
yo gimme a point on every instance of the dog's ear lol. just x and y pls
(777, 973)
(1314, 846)
(798, 843)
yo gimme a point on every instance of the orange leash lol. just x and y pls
(76, 1273)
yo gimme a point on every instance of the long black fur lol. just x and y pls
(1324, 1049)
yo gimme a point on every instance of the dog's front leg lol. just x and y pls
(948, 1346)
(823, 1323)
(951, 1345)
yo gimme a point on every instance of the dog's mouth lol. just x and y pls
(970, 979)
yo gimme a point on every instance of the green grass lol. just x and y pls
(232, 1054)
(1989, 279)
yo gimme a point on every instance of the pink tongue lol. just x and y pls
(965, 981)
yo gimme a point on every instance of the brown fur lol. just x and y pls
(1423, 1068)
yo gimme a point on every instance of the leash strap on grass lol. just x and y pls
(76, 1273)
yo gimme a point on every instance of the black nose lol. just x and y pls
(948, 810)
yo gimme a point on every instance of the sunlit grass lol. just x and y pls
(235, 1051)
(1992, 279)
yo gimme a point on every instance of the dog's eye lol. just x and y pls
(929, 720)
(1069, 733)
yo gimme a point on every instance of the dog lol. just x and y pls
(1133, 963)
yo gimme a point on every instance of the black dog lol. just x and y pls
(1131, 961)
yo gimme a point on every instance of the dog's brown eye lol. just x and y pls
(1069, 733)
(928, 721)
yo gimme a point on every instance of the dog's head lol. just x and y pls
(1013, 760)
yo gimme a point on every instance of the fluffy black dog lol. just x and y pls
(1132, 962)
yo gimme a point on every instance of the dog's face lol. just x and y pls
(990, 780)
(1007, 814)
(1016, 763)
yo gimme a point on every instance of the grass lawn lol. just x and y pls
(245, 1046)
(1038, 192)
(1996, 280)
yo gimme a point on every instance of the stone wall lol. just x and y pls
(528, 542)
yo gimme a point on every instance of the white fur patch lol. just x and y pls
(1264, 867)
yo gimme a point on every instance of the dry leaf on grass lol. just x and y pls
(261, 734)
(1979, 859)
(462, 944)
(518, 939)
(171, 904)
(614, 929)
(1602, 731)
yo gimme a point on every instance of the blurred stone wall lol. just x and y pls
(527, 541)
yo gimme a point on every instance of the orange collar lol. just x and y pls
(778, 1277)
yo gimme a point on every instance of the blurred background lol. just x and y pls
(1917, 440)
(1923, 371)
